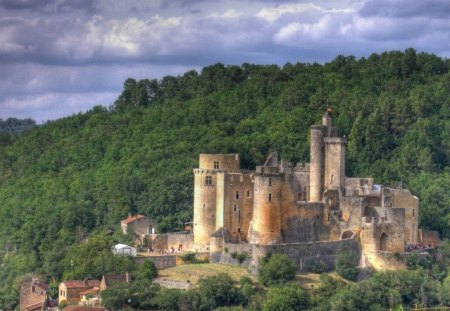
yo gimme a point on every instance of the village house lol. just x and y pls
(33, 296)
(69, 291)
(138, 226)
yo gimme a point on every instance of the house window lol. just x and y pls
(216, 165)
(270, 181)
(270, 197)
(208, 180)
(237, 195)
(60, 293)
(248, 194)
(235, 207)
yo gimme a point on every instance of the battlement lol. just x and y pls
(267, 170)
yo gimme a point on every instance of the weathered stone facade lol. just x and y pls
(280, 203)
(33, 296)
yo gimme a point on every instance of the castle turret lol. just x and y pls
(335, 162)
(317, 163)
(205, 190)
(326, 122)
(266, 221)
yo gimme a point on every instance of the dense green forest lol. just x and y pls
(67, 178)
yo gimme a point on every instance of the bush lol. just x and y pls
(63, 304)
(346, 263)
(415, 261)
(219, 290)
(285, 298)
(276, 269)
(239, 256)
(147, 270)
(188, 257)
(318, 267)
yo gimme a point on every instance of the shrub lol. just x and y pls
(188, 257)
(218, 290)
(276, 269)
(415, 261)
(63, 304)
(318, 267)
(346, 263)
(147, 270)
(285, 298)
(239, 256)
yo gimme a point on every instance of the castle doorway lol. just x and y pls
(383, 242)
(347, 235)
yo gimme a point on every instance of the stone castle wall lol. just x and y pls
(305, 255)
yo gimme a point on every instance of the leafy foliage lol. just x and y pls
(276, 269)
(346, 263)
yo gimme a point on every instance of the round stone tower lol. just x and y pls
(266, 222)
(317, 163)
(205, 189)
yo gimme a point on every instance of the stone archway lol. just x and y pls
(347, 235)
(383, 242)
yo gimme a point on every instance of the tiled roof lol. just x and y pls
(34, 306)
(82, 284)
(37, 283)
(83, 308)
(132, 219)
(90, 291)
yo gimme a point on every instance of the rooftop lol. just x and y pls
(81, 283)
(131, 219)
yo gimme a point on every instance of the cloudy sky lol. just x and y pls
(59, 57)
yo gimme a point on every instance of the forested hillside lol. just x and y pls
(62, 180)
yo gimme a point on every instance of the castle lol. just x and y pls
(280, 203)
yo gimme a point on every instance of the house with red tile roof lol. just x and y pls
(138, 226)
(33, 296)
(69, 291)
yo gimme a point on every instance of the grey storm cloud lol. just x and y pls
(407, 8)
(49, 6)
(61, 56)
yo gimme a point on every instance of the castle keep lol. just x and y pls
(280, 203)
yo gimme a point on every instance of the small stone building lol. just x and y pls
(69, 291)
(139, 226)
(109, 280)
(33, 296)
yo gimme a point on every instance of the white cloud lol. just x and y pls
(228, 14)
(272, 14)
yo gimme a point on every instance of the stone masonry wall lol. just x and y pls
(305, 255)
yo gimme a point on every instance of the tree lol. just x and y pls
(285, 298)
(147, 270)
(218, 290)
(346, 263)
(276, 269)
